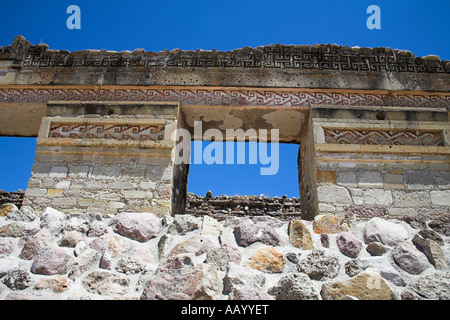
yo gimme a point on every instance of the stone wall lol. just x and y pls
(394, 166)
(91, 157)
(15, 198)
(222, 207)
(132, 255)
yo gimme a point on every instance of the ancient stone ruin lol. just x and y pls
(106, 213)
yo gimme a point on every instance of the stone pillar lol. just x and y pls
(362, 162)
(105, 157)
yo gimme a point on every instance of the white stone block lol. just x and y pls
(62, 184)
(411, 199)
(402, 212)
(440, 198)
(333, 194)
(137, 194)
(377, 197)
(35, 192)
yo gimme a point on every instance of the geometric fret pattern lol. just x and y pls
(323, 57)
(224, 96)
(105, 131)
(383, 137)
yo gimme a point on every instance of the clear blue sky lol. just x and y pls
(419, 26)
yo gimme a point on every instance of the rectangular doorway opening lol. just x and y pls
(243, 178)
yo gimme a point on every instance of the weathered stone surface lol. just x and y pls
(13, 230)
(51, 260)
(24, 215)
(182, 224)
(433, 286)
(431, 235)
(116, 244)
(334, 194)
(83, 263)
(80, 248)
(440, 198)
(56, 284)
(376, 248)
(379, 264)
(294, 286)
(417, 222)
(359, 212)
(377, 197)
(409, 258)
(248, 293)
(7, 208)
(384, 231)
(129, 265)
(97, 229)
(299, 235)
(367, 285)
(105, 260)
(325, 240)
(267, 259)
(77, 224)
(441, 224)
(432, 250)
(248, 232)
(329, 223)
(409, 294)
(221, 257)
(144, 253)
(320, 265)
(35, 243)
(138, 226)
(192, 283)
(53, 220)
(7, 263)
(176, 262)
(411, 198)
(6, 245)
(70, 239)
(106, 283)
(196, 244)
(237, 276)
(211, 227)
(17, 279)
(348, 244)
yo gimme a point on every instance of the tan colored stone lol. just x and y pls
(7, 208)
(114, 243)
(326, 176)
(329, 223)
(54, 193)
(299, 235)
(55, 284)
(267, 259)
(367, 285)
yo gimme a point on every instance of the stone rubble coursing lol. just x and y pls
(143, 256)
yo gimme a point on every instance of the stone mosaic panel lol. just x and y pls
(223, 96)
(318, 57)
(381, 137)
(106, 131)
